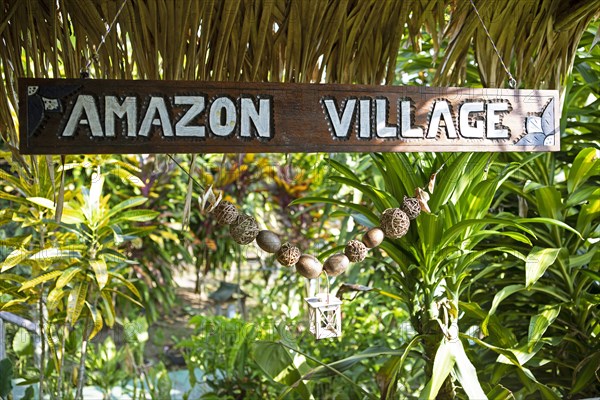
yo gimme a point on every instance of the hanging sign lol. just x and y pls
(93, 116)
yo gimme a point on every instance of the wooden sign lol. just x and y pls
(89, 116)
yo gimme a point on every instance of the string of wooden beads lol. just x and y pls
(393, 224)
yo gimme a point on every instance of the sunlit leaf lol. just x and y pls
(537, 263)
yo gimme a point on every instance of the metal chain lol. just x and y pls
(511, 80)
(85, 71)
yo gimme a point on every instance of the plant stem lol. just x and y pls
(81, 377)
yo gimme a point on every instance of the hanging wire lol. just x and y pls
(186, 172)
(85, 71)
(511, 80)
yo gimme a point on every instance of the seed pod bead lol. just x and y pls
(411, 207)
(394, 223)
(225, 213)
(309, 266)
(373, 237)
(336, 264)
(244, 230)
(268, 241)
(288, 254)
(355, 250)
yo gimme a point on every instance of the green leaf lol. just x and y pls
(549, 202)
(40, 279)
(442, 365)
(549, 221)
(100, 271)
(466, 372)
(537, 263)
(587, 371)
(136, 216)
(97, 320)
(22, 344)
(584, 166)
(127, 283)
(499, 392)
(6, 376)
(43, 202)
(14, 258)
(539, 323)
(501, 295)
(53, 253)
(54, 297)
(76, 302)
(277, 363)
(129, 203)
(66, 277)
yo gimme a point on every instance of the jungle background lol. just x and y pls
(92, 246)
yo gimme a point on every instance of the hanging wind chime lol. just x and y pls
(324, 308)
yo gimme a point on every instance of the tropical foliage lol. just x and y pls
(507, 255)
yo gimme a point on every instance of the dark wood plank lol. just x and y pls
(88, 116)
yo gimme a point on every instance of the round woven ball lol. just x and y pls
(336, 264)
(225, 213)
(355, 250)
(244, 230)
(411, 207)
(288, 254)
(394, 223)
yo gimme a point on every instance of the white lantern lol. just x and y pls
(325, 316)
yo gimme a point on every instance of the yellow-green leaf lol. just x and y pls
(97, 318)
(109, 309)
(40, 279)
(537, 263)
(54, 297)
(66, 277)
(43, 202)
(127, 283)
(76, 302)
(14, 258)
(100, 271)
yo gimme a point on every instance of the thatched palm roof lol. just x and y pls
(346, 41)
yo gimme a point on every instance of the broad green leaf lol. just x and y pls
(14, 258)
(537, 263)
(499, 392)
(76, 302)
(40, 279)
(466, 372)
(136, 216)
(129, 203)
(442, 365)
(346, 363)
(100, 271)
(127, 283)
(66, 277)
(22, 344)
(53, 253)
(585, 165)
(54, 297)
(587, 371)
(6, 376)
(96, 319)
(43, 202)
(549, 221)
(549, 202)
(539, 324)
(501, 295)
(109, 309)
(278, 364)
